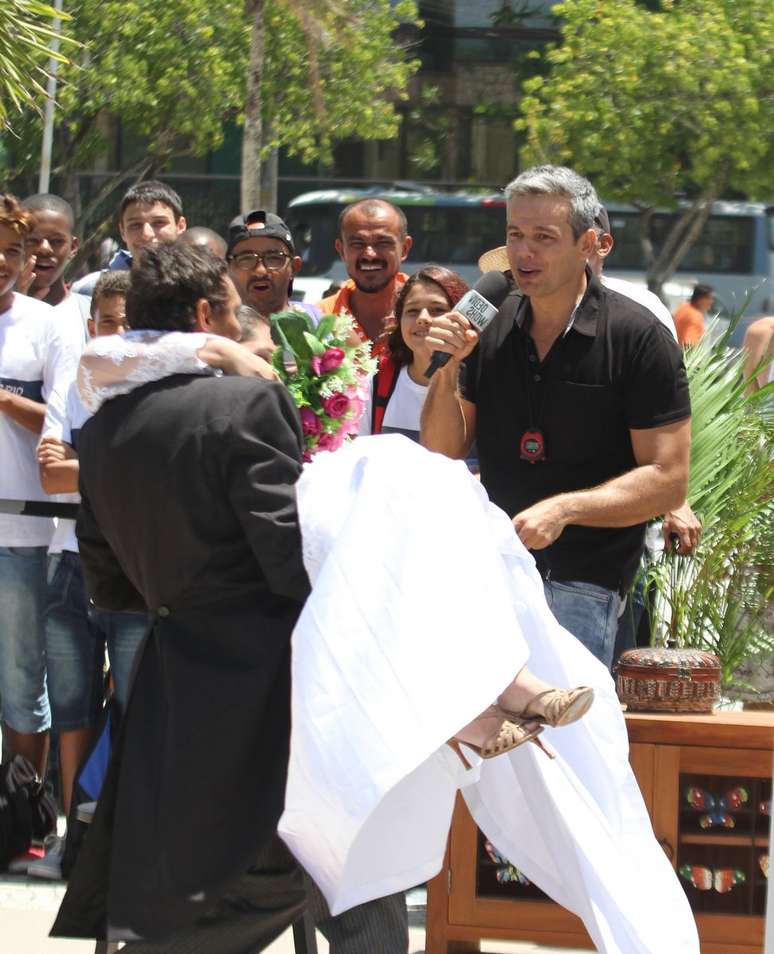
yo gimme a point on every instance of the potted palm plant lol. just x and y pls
(717, 601)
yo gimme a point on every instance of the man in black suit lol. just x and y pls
(188, 510)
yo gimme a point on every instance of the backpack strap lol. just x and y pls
(384, 384)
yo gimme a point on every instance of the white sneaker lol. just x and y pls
(50, 865)
(85, 812)
(21, 863)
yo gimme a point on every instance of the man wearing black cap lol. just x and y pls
(262, 262)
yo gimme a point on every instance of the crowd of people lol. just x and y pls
(574, 406)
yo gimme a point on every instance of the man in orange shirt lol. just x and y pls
(372, 243)
(689, 317)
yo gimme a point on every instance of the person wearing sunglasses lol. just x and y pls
(262, 263)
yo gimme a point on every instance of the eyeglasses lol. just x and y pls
(271, 261)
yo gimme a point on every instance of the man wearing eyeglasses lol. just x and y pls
(262, 262)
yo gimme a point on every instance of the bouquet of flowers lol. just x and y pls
(327, 374)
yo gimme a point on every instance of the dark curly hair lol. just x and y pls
(115, 283)
(451, 284)
(168, 281)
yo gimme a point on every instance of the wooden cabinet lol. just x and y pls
(706, 781)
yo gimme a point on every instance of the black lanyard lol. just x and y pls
(532, 444)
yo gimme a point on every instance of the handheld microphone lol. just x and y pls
(479, 306)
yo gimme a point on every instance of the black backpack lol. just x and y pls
(27, 809)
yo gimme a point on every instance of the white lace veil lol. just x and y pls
(117, 364)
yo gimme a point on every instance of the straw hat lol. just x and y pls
(495, 260)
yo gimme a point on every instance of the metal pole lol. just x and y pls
(48, 120)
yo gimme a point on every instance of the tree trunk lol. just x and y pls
(269, 175)
(681, 237)
(252, 140)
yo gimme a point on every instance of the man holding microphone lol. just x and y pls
(578, 401)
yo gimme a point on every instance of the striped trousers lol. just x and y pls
(267, 899)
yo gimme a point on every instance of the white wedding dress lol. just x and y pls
(424, 606)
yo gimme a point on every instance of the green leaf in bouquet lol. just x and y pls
(326, 326)
(290, 328)
(278, 360)
(278, 336)
(316, 346)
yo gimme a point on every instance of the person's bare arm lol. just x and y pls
(28, 414)
(448, 420)
(656, 485)
(57, 466)
(233, 358)
(759, 348)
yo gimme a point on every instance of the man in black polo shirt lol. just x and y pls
(578, 400)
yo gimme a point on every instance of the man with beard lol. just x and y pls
(262, 261)
(372, 243)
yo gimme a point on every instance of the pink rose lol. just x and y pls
(357, 407)
(331, 360)
(326, 442)
(310, 422)
(316, 365)
(336, 405)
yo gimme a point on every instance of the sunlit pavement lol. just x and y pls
(28, 907)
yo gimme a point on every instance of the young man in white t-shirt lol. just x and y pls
(75, 633)
(38, 357)
(52, 245)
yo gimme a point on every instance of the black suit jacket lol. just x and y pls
(188, 510)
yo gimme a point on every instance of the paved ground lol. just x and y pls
(28, 907)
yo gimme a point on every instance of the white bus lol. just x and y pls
(734, 253)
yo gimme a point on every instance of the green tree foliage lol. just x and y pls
(321, 71)
(653, 105)
(175, 73)
(336, 78)
(26, 31)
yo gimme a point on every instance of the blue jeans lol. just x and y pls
(124, 634)
(75, 649)
(22, 639)
(76, 636)
(588, 611)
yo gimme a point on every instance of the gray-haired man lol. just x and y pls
(578, 400)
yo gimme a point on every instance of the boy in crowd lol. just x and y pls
(75, 634)
(52, 246)
(38, 358)
(150, 212)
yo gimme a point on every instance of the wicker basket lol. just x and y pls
(668, 680)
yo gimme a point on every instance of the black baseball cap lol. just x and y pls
(258, 224)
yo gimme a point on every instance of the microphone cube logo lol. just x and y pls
(476, 309)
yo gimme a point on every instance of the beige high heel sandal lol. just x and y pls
(554, 707)
(509, 735)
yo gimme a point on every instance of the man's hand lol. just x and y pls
(683, 523)
(542, 523)
(26, 276)
(453, 334)
(51, 451)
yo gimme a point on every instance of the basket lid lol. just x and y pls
(669, 658)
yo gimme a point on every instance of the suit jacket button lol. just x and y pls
(163, 611)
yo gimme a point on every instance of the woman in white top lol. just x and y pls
(400, 384)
